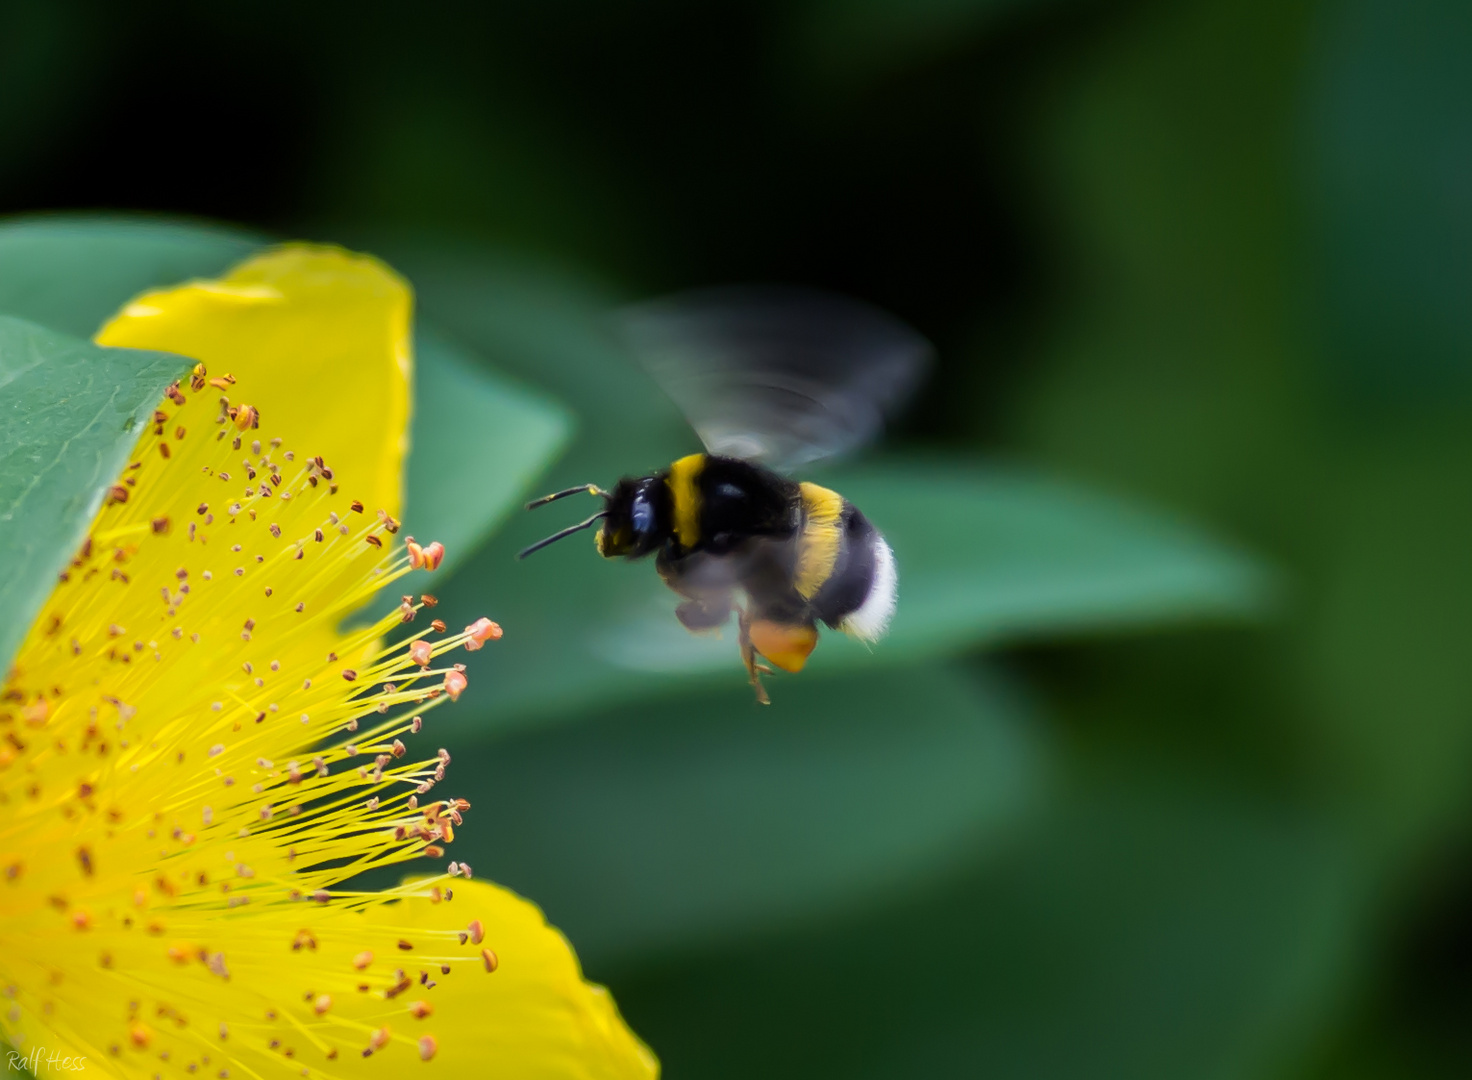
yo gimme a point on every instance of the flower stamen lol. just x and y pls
(145, 738)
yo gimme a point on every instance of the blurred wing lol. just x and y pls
(782, 376)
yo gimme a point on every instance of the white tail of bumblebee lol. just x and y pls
(870, 620)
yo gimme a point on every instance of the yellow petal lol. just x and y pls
(319, 340)
(306, 993)
(533, 1018)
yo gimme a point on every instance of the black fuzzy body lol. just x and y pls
(745, 531)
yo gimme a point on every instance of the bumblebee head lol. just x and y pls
(635, 516)
(636, 520)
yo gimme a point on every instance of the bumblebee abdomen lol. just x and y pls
(831, 564)
(858, 593)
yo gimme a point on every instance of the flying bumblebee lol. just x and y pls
(770, 380)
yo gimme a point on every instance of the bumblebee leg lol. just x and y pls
(704, 615)
(754, 669)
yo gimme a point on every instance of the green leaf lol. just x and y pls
(1148, 927)
(478, 439)
(986, 557)
(551, 328)
(73, 273)
(666, 826)
(481, 442)
(70, 413)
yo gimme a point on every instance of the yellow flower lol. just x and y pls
(195, 755)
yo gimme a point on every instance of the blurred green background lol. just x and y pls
(1165, 769)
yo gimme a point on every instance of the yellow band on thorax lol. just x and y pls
(685, 497)
(822, 534)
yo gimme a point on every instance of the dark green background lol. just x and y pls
(1116, 800)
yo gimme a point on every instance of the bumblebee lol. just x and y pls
(769, 380)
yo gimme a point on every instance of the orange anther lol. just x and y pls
(420, 652)
(480, 632)
(322, 1004)
(420, 1009)
(477, 932)
(434, 554)
(416, 553)
(489, 959)
(379, 1039)
(247, 417)
(427, 1047)
(455, 683)
(363, 959)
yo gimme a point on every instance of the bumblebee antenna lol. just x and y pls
(591, 489)
(579, 527)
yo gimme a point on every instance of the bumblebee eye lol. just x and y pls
(642, 514)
